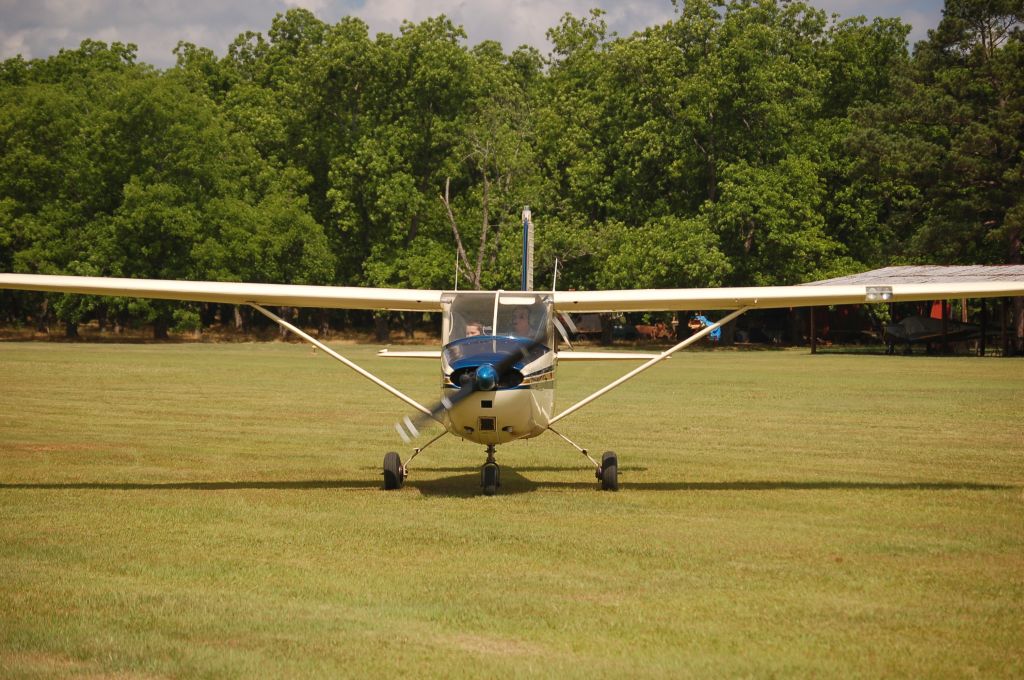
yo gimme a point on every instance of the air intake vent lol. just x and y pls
(487, 425)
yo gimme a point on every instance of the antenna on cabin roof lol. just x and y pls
(527, 282)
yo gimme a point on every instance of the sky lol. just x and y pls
(40, 28)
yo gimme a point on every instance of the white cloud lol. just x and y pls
(314, 6)
(512, 24)
(16, 43)
(40, 29)
(922, 21)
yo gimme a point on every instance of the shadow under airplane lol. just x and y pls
(466, 484)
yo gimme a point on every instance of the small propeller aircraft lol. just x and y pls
(924, 330)
(499, 355)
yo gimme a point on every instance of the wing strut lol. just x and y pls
(643, 367)
(331, 353)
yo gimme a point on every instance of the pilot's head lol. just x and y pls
(474, 328)
(521, 321)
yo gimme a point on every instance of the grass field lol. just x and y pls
(215, 511)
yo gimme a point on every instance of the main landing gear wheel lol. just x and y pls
(609, 474)
(394, 475)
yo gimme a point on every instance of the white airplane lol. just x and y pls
(499, 355)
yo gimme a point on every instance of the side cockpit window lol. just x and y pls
(471, 315)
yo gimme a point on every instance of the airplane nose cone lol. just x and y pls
(486, 378)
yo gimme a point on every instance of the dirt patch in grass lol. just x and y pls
(492, 645)
(33, 664)
(69, 447)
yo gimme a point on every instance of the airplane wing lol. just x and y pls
(573, 355)
(567, 355)
(419, 354)
(892, 284)
(335, 297)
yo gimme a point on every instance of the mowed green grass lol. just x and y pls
(216, 511)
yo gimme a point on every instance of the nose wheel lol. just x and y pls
(490, 473)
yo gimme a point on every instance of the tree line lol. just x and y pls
(747, 142)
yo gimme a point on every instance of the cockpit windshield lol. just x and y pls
(511, 314)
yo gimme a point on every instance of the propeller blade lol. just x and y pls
(520, 352)
(562, 332)
(568, 321)
(409, 427)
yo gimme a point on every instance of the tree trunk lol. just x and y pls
(711, 164)
(1017, 340)
(380, 328)
(797, 324)
(120, 319)
(607, 329)
(208, 314)
(285, 313)
(459, 249)
(160, 328)
(324, 324)
(409, 325)
(1004, 335)
(70, 329)
(485, 227)
(43, 316)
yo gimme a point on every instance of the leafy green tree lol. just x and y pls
(571, 127)
(703, 119)
(202, 72)
(46, 168)
(864, 62)
(384, 192)
(495, 170)
(772, 222)
(745, 141)
(125, 171)
(974, 61)
(663, 253)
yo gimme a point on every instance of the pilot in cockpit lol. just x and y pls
(521, 322)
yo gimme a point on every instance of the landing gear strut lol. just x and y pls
(394, 472)
(490, 473)
(608, 470)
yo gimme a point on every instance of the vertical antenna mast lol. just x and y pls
(527, 283)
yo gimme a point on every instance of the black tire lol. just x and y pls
(393, 477)
(489, 479)
(609, 471)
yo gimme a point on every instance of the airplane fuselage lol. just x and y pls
(480, 331)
